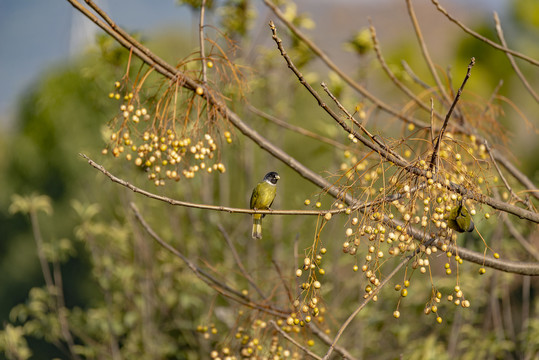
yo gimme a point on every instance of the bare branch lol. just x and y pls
(459, 189)
(330, 64)
(448, 115)
(375, 291)
(508, 187)
(394, 79)
(512, 60)
(295, 128)
(238, 261)
(425, 52)
(482, 38)
(291, 339)
(218, 285)
(201, 41)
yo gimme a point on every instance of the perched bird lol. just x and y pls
(261, 199)
(459, 219)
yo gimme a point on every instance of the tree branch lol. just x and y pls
(482, 38)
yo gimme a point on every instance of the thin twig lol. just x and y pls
(448, 116)
(518, 236)
(204, 206)
(238, 261)
(295, 128)
(425, 51)
(41, 252)
(482, 38)
(414, 77)
(358, 124)
(357, 204)
(281, 277)
(214, 283)
(170, 72)
(201, 41)
(371, 143)
(432, 121)
(330, 64)
(369, 298)
(459, 189)
(525, 319)
(517, 174)
(291, 339)
(507, 186)
(527, 85)
(61, 310)
(125, 39)
(392, 76)
(493, 96)
(161, 66)
(54, 287)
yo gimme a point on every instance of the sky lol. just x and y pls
(38, 34)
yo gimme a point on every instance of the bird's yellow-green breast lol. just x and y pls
(459, 219)
(263, 196)
(261, 199)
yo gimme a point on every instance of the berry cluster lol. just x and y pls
(161, 152)
(258, 341)
(410, 203)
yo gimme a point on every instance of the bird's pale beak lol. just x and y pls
(277, 177)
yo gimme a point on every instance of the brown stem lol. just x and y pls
(448, 115)
(482, 38)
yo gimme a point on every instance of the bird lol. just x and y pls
(459, 219)
(261, 199)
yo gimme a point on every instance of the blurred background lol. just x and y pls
(57, 70)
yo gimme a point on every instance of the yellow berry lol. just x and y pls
(209, 64)
(199, 91)
(482, 271)
(496, 255)
(439, 320)
(396, 314)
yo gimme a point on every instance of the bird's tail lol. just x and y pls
(257, 227)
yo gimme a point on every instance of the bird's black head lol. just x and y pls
(272, 177)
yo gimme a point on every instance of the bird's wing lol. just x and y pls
(254, 197)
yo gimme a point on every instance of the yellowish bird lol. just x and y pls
(261, 199)
(459, 219)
